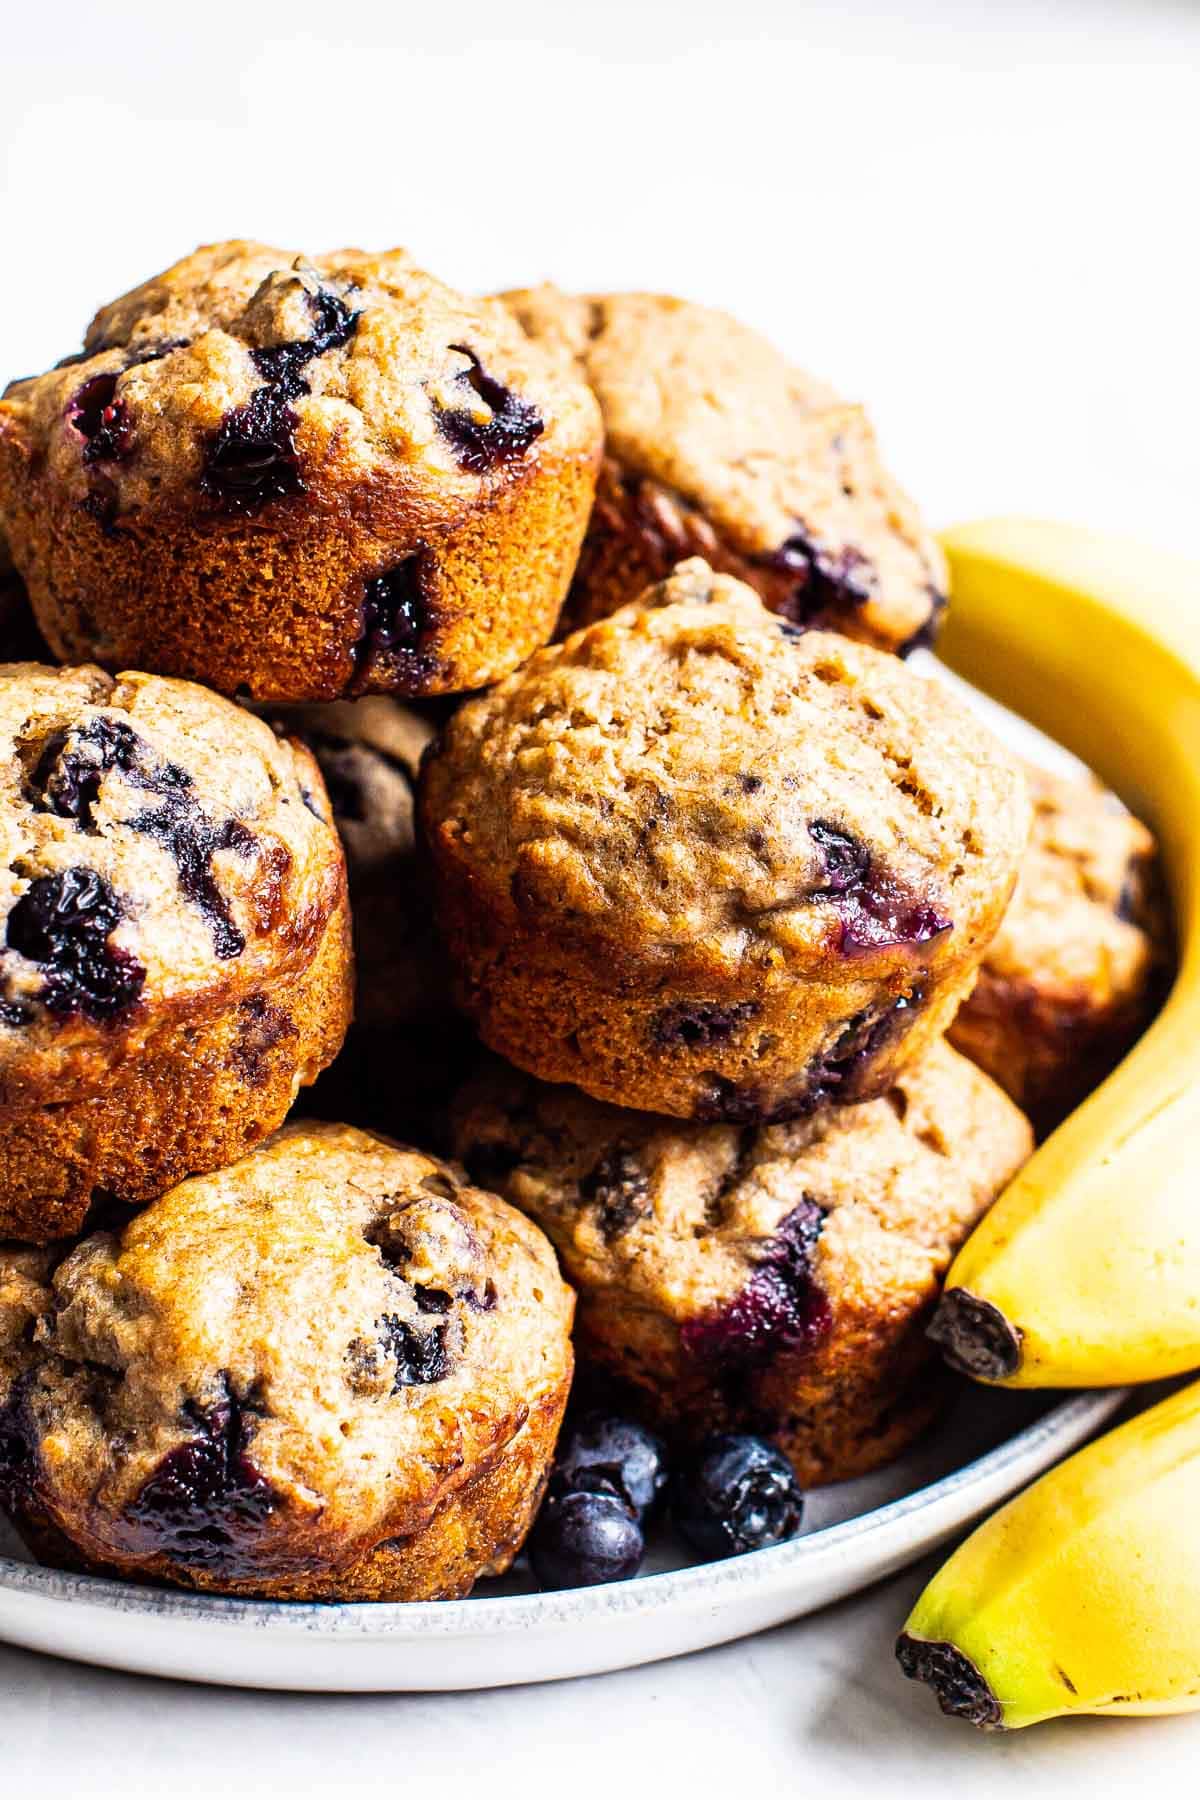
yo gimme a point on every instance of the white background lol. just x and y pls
(982, 219)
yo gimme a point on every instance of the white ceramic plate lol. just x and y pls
(858, 1532)
(990, 1444)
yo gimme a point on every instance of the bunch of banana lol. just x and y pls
(1082, 1595)
(1087, 1270)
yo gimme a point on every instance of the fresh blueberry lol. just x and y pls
(601, 1454)
(737, 1494)
(582, 1539)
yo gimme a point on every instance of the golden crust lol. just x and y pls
(717, 446)
(218, 1441)
(135, 553)
(630, 845)
(776, 1278)
(177, 1036)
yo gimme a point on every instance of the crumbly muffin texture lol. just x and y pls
(174, 958)
(692, 861)
(715, 445)
(1076, 967)
(300, 478)
(772, 1279)
(333, 1370)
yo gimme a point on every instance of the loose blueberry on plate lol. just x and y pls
(583, 1539)
(601, 1454)
(737, 1494)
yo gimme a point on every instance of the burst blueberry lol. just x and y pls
(206, 1504)
(479, 444)
(421, 1356)
(63, 923)
(781, 1307)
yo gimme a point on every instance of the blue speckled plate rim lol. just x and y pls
(1061, 1429)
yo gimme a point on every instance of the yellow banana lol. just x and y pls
(1086, 1272)
(1082, 1595)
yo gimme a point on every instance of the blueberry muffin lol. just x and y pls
(774, 1279)
(301, 480)
(694, 861)
(174, 938)
(408, 1044)
(1077, 966)
(333, 1371)
(717, 446)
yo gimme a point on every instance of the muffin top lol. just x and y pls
(1084, 916)
(684, 1217)
(785, 471)
(244, 374)
(162, 849)
(327, 1338)
(693, 777)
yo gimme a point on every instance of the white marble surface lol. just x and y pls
(980, 217)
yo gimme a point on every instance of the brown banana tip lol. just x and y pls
(959, 1688)
(975, 1337)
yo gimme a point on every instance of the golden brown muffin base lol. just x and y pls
(586, 1014)
(474, 1530)
(774, 1280)
(272, 606)
(199, 1095)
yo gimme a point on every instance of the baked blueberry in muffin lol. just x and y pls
(330, 1371)
(174, 938)
(694, 863)
(717, 446)
(1077, 966)
(774, 1279)
(300, 479)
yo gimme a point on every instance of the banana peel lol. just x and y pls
(1086, 1271)
(1082, 1595)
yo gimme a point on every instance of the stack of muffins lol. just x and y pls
(715, 876)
